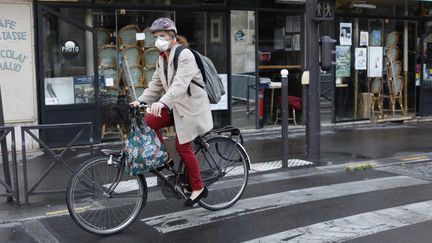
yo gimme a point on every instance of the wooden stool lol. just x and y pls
(112, 130)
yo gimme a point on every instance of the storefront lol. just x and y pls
(92, 56)
(383, 54)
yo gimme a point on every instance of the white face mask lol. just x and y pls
(162, 44)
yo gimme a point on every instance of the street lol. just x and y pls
(392, 203)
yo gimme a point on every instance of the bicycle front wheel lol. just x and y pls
(98, 204)
(224, 171)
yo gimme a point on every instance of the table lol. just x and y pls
(272, 86)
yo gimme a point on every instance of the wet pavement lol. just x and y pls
(339, 145)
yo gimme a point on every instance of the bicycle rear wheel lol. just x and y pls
(224, 168)
(96, 210)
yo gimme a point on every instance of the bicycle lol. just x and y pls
(104, 200)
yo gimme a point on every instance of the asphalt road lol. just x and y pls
(392, 204)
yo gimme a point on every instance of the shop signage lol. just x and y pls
(17, 70)
(70, 48)
(325, 9)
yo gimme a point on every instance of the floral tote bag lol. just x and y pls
(144, 151)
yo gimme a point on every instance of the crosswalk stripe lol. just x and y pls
(255, 167)
(355, 226)
(199, 216)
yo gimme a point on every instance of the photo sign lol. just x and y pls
(17, 80)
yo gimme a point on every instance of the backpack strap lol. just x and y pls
(176, 56)
(177, 52)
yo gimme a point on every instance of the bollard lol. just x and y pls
(284, 103)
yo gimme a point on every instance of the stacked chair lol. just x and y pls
(394, 68)
(126, 62)
(131, 54)
(150, 57)
(376, 95)
(107, 65)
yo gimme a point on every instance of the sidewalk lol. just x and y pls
(342, 145)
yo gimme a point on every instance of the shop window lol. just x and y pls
(370, 82)
(68, 63)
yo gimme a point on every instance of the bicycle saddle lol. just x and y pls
(113, 152)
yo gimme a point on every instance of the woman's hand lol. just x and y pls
(135, 103)
(156, 108)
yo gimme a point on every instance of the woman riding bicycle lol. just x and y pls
(171, 103)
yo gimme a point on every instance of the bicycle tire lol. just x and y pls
(97, 213)
(226, 184)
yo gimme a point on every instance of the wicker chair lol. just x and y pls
(108, 56)
(127, 35)
(110, 72)
(395, 93)
(376, 95)
(394, 69)
(136, 74)
(392, 54)
(149, 40)
(103, 37)
(131, 54)
(148, 75)
(150, 57)
(392, 38)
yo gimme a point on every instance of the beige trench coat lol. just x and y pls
(192, 114)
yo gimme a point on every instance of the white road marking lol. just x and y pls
(199, 216)
(355, 226)
(130, 185)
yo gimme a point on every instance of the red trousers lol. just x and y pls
(185, 150)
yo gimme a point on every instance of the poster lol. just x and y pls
(223, 103)
(59, 91)
(360, 58)
(345, 34)
(375, 38)
(364, 38)
(375, 61)
(296, 42)
(343, 61)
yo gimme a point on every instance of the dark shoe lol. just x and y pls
(168, 164)
(190, 202)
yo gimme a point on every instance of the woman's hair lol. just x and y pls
(182, 40)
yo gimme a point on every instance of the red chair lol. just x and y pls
(294, 102)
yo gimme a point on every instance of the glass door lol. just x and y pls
(279, 47)
(425, 89)
(68, 73)
(245, 110)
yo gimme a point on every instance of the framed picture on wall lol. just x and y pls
(216, 30)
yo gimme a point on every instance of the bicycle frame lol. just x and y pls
(176, 187)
